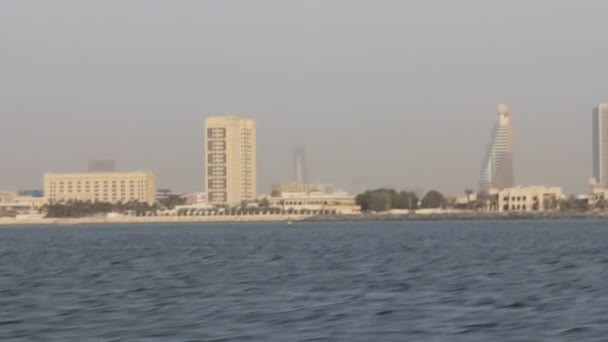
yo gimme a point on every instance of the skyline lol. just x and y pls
(389, 96)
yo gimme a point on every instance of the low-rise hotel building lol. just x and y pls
(7, 196)
(13, 201)
(528, 199)
(338, 203)
(111, 187)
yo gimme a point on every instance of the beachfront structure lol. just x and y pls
(111, 187)
(230, 155)
(335, 203)
(7, 196)
(599, 136)
(597, 192)
(300, 165)
(20, 204)
(465, 199)
(278, 189)
(528, 199)
(497, 168)
(195, 198)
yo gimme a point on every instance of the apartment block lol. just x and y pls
(230, 155)
(112, 187)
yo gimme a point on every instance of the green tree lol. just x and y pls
(380, 201)
(408, 200)
(385, 199)
(433, 199)
(362, 200)
(172, 201)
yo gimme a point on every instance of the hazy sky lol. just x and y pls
(399, 93)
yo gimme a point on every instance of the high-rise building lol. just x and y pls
(300, 165)
(112, 187)
(497, 168)
(230, 155)
(600, 143)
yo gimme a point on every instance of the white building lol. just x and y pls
(465, 199)
(317, 202)
(230, 155)
(196, 198)
(528, 199)
(12, 201)
(7, 196)
(597, 193)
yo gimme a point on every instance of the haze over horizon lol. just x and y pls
(399, 93)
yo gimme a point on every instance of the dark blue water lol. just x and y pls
(412, 281)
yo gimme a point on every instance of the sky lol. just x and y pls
(397, 93)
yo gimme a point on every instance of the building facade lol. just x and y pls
(12, 203)
(8, 196)
(599, 136)
(279, 189)
(497, 168)
(230, 155)
(112, 187)
(338, 203)
(528, 199)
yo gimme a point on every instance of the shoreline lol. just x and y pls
(303, 218)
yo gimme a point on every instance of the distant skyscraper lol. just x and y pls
(300, 165)
(230, 154)
(497, 168)
(600, 143)
(102, 166)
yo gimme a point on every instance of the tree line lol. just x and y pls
(76, 209)
(383, 199)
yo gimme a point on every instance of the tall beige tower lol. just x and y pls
(230, 157)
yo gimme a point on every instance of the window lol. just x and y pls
(216, 133)
(216, 145)
(216, 158)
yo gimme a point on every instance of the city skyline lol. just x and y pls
(389, 93)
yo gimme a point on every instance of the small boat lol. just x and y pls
(289, 223)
